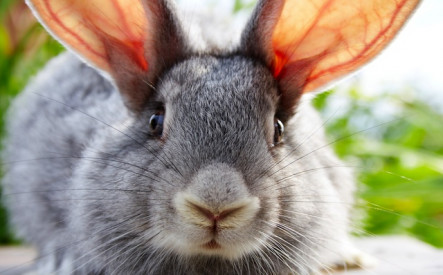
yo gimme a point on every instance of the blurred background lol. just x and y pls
(387, 120)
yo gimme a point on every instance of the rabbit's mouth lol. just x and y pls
(212, 245)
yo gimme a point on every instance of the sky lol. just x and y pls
(414, 60)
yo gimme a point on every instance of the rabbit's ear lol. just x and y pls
(132, 40)
(310, 43)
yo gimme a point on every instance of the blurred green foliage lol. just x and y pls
(395, 140)
(395, 143)
(23, 51)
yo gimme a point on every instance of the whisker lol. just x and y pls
(279, 248)
(164, 162)
(314, 170)
(74, 243)
(333, 142)
(298, 145)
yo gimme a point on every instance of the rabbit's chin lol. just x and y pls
(218, 246)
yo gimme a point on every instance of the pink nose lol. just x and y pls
(215, 217)
(193, 210)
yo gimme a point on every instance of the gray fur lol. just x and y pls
(93, 190)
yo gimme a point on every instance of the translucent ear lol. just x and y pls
(85, 27)
(309, 43)
(132, 40)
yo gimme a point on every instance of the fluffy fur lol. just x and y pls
(97, 193)
(93, 187)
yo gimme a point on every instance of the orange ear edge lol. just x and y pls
(282, 66)
(79, 47)
(100, 65)
(321, 79)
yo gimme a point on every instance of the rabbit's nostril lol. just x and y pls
(204, 211)
(215, 215)
(216, 218)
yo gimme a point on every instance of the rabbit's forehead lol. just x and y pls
(235, 81)
(217, 107)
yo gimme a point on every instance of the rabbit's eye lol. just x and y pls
(279, 128)
(156, 123)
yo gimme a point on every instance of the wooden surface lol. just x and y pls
(394, 255)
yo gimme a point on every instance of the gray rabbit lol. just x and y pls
(142, 155)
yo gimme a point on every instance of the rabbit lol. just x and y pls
(136, 153)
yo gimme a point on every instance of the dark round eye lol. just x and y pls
(156, 123)
(279, 128)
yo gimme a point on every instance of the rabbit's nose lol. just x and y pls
(217, 197)
(237, 214)
(215, 216)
